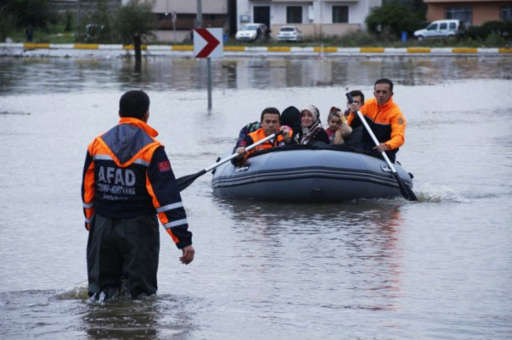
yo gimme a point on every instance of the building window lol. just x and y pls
(339, 14)
(506, 13)
(464, 14)
(294, 15)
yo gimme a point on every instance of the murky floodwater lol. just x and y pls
(380, 269)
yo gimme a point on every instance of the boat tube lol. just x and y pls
(299, 173)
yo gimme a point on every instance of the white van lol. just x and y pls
(439, 29)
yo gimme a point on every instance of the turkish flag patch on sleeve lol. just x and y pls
(164, 166)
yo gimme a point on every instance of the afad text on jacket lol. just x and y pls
(127, 174)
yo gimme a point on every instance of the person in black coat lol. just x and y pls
(291, 117)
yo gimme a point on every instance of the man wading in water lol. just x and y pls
(127, 182)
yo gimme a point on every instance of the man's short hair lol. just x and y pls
(357, 93)
(385, 81)
(334, 112)
(134, 104)
(271, 110)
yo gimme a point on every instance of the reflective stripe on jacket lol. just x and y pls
(387, 119)
(259, 134)
(127, 174)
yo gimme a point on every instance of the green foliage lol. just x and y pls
(498, 31)
(494, 39)
(68, 21)
(7, 25)
(135, 21)
(98, 26)
(36, 13)
(393, 18)
(358, 38)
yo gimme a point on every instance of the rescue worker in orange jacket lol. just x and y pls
(127, 183)
(385, 119)
(270, 123)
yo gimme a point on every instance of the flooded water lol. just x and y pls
(439, 268)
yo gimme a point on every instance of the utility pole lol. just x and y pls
(199, 14)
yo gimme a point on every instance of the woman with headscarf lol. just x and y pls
(311, 127)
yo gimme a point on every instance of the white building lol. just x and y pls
(176, 18)
(313, 17)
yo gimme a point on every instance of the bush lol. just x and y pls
(393, 18)
(7, 26)
(358, 38)
(502, 29)
(494, 39)
(35, 13)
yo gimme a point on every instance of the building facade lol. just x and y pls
(471, 12)
(177, 18)
(314, 17)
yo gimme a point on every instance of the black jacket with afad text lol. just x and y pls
(127, 174)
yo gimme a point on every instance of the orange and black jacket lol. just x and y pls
(127, 174)
(258, 135)
(387, 122)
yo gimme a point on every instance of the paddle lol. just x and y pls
(185, 181)
(407, 193)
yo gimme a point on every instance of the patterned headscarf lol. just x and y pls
(308, 133)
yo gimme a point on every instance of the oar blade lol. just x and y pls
(406, 191)
(185, 181)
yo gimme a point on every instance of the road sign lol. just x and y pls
(208, 43)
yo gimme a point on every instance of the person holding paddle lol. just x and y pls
(384, 118)
(270, 124)
(128, 182)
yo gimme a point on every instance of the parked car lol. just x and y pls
(439, 29)
(289, 33)
(252, 32)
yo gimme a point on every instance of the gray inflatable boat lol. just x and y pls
(308, 175)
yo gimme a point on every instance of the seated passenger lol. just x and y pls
(250, 127)
(358, 101)
(270, 124)
(354, 138)
(338, 128)
(311, 127)
(291, 117)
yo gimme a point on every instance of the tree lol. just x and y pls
(134, 23)
(394, 18)
(97, 25)
(7, 24)
(34, 13)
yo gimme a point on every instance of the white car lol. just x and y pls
(251, 32)
(439, 29)
(289, 33)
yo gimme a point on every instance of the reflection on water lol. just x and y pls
(159, 317)
(50, 316)
(357, 242)
(52, 75)
(370, 269)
